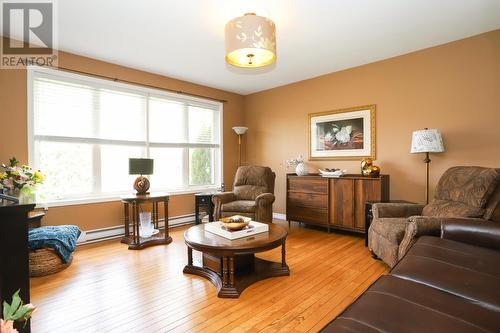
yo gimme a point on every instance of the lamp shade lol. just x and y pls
(427, 141)
(240, 130)
(140, 166)
(250, 41)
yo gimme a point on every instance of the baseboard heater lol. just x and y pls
(99, 235)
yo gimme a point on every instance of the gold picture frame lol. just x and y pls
(343, 134)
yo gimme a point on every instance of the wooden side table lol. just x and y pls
(203, 200)
(369, 214)
(131, 205)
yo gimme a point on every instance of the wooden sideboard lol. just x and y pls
(337, 203)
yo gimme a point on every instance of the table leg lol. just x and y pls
(126, 221)
(136, 223)
(165, 206)
(131, 220)
(190, 256)
(224, 271)
(154, 216)
(283, 255)
(231, 271)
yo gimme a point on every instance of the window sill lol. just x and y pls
(114, 197)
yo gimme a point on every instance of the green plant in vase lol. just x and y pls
(16, 311)
(23, 178)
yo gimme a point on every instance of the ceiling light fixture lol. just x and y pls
(250, 41)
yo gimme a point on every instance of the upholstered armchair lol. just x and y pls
(469, 193)
(252, 195)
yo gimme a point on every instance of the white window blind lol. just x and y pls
(83, 131)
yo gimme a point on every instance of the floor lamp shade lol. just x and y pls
(427, 141)
(239, 130)
(141, 166)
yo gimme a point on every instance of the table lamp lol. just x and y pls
(427, 141)
(140, 166)
(239, 130)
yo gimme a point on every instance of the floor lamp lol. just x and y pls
(239, 130)
(427, 141)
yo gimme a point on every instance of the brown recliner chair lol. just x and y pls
(252, 195)
(463, 191)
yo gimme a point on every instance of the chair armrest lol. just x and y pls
(218, 200)
(393, 209)
(418, 226)
(224, 197)
(264, 199)
(264, 211)
(472, 231)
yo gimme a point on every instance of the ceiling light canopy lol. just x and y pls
(250, 41)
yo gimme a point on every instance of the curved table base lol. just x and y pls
(158, 239)
(260, 270)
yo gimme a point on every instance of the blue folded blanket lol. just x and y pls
(61, 238)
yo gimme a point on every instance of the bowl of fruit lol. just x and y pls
(235, 223)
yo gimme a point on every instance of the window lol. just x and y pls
(83, 130)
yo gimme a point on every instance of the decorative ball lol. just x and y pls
(368, 169)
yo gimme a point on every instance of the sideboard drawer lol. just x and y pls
(312, 200)
(306, 214)
(308, 184)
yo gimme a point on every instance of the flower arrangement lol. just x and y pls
(16, 311)
(294, 162)
(23, 178)
(298, 163)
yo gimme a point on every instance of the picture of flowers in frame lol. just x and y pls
(345, 134)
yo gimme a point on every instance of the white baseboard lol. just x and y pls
(99, 235)
(278, 216)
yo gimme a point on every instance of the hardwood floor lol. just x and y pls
(111, 289)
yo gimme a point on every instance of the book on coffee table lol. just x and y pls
(251, 229)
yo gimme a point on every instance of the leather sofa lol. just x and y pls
(449, 283)
(463, 191)
(252, 195)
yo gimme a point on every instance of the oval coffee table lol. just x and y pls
(231, 265)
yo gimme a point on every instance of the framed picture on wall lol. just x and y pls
(345, 134)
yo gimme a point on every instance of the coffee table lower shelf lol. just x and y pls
(231, 282)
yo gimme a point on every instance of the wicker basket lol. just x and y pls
(45, 262)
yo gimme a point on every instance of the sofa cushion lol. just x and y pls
(445, 208)
(393, 304)
(246, 206)
(469, 185)
(464, 270)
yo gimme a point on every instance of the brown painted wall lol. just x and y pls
(13, 142)
(453, 87)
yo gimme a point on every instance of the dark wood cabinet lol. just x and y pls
(337, 203)
(14, 264)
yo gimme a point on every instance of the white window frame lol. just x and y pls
(33, 71)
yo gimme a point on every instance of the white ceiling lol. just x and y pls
(184, 39)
